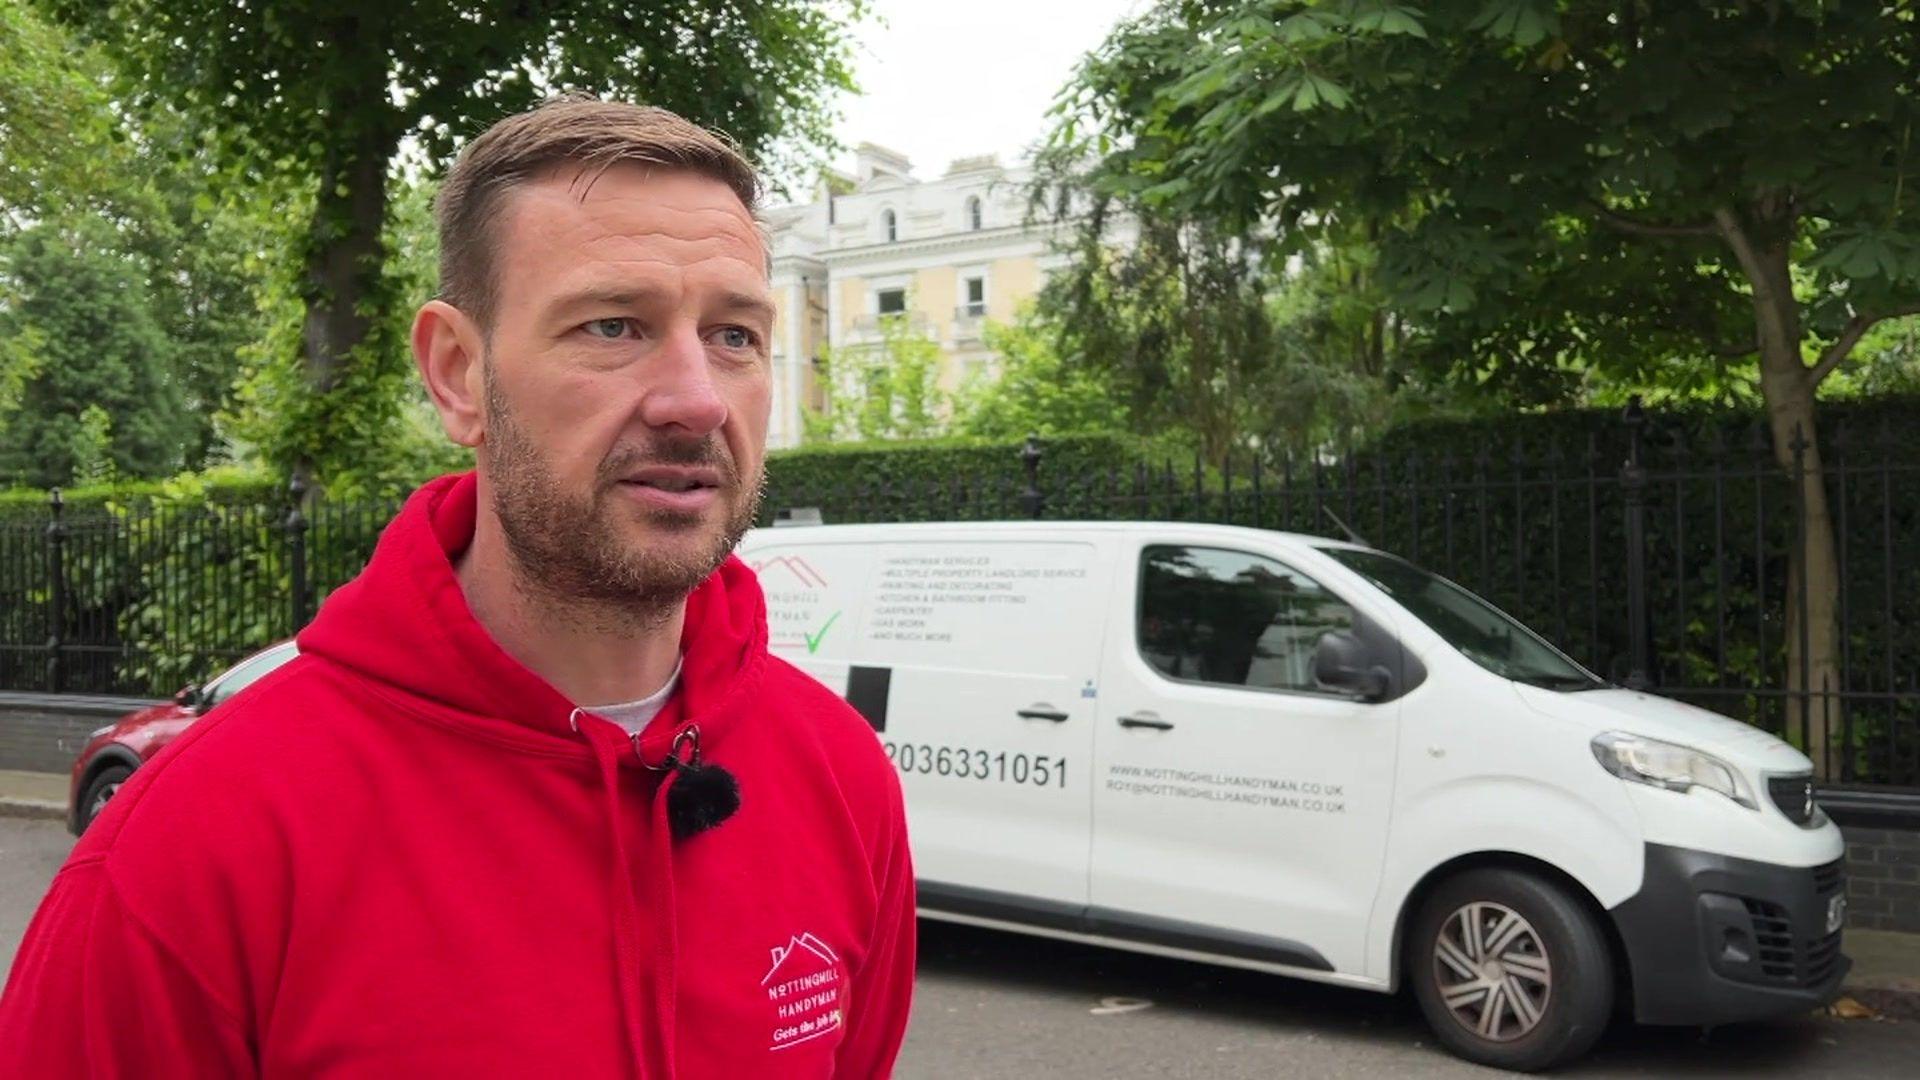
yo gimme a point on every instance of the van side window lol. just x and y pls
(1232, 618)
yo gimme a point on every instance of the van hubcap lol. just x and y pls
(1492, 971)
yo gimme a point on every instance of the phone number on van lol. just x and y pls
(1040, 770)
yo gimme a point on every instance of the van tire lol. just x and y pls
(1543, 944)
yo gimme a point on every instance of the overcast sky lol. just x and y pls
(943, 79)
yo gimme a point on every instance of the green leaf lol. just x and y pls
(1310, 25)
(1388, 19)
(1315, 90)
(1526, 23)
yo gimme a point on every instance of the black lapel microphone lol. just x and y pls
(701, 796)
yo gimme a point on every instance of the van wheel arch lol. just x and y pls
(1510, 860)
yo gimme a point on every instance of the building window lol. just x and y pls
(976, 297)
(973, 212)
(890, 301)
(889, 226)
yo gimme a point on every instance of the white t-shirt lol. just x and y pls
(635, 715)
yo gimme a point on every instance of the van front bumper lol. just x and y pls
(1713, 939)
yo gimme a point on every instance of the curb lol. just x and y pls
(1887, 1002)
(38, 809)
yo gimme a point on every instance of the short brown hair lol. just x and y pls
(572, 129)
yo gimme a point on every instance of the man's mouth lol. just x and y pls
(676, 487)
(674, 483)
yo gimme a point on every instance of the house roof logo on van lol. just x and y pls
(800, 569)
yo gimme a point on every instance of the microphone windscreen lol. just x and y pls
(699, 798)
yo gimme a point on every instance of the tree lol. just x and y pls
(1562, 184)
(160, 197)
(1176, 320)
(102, 355)
(884, 389)
(54, 127)
(329, 91)
(1033, 390)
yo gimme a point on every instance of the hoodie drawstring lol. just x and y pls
(666, 938)
(627, 958)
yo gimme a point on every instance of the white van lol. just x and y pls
(1312, 758)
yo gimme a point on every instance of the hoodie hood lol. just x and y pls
(405, 623)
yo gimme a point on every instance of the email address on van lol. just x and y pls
(1272, 791)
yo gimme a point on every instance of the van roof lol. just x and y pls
(911, 529)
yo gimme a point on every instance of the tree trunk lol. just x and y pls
(1813, 582)
(344, 259)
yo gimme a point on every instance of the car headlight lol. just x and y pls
(97, 732)
(1669, 765)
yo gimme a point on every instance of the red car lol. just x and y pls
(114, 751)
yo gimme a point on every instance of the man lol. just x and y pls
(534, 800)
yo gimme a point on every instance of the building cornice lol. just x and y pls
(882, 251)
(798, 260)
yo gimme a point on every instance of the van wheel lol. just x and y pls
(1510, 970)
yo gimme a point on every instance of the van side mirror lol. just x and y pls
(188, 697)
(1341, 662)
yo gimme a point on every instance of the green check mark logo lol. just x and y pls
(814, 640)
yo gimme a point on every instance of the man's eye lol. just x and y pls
(737, 337)
(609, 329)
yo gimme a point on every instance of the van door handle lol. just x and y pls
(1043, 711)
(1146, 720)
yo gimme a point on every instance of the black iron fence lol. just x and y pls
(143, 599)
(1659, 557)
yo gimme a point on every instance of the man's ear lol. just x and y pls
(449, 349)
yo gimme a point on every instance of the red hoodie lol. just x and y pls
(396, 856)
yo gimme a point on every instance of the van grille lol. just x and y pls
(1790, 794)
(1772, 938)
(1822, 956)
(1783, 958)
(1827, 879)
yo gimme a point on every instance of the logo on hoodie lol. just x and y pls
(804, 989)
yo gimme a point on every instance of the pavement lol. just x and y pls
(33, 795)
(992, 1004)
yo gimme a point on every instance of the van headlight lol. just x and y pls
(1669, 765)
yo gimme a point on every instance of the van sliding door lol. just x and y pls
(1240, 808)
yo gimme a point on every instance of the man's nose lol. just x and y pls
(680, 392)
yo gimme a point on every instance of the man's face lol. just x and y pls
(626, 383)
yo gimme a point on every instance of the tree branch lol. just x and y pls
(1727, 224)
(1636, 227)
(1856, 328)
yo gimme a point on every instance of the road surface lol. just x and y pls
(995, 1005)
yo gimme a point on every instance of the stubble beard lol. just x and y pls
(579, 553)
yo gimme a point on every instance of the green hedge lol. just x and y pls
(934, 480)
(225, 486)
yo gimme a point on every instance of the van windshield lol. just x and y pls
(1483, 633)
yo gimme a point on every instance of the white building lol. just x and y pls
(944, 254)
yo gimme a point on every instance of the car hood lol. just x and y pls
(1741, 745)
